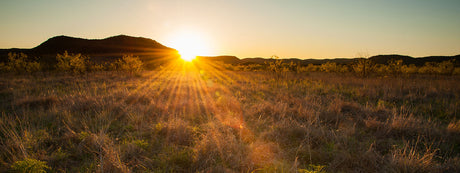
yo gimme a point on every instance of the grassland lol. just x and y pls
(186, 118)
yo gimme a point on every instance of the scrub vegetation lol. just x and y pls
(210, 117)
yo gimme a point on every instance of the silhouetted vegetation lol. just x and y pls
(19, 63)
(129, 64)
(73, 63)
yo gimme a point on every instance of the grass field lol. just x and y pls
(185, 118)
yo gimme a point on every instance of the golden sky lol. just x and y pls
(255, 28)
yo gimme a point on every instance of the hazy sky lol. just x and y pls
(247, 28)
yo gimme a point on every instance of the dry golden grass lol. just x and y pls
(200, 118)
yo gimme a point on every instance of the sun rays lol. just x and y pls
(200, 92)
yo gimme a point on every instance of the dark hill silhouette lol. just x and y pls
(99, 50)
(378, 59)
(260, 60)
(225, 59)
(113, 45)
(384, 59)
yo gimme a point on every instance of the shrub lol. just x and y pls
(19, 63)
(395, 67)
(3, 67)
(446, 67)
(97, 67)
(74, 63)
(29, 165)
(428, 68)
(311, 68)
(411, 69)
(330, 67)
(276, 67)
(363, 67)
(129, 63)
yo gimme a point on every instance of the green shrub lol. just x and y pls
(73, 63)
(428, 68)
(313, 169)
(19, 63)
(129, 63)
(29, 165)
(3, 67)
(363, 67)
(446, 67)
(276, 67)
(311, 68)
(97, 67)
(395, 67)
(279, 68)
(411, 69)
(456, 71)
(330, 67)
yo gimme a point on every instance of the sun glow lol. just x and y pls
(190, 45)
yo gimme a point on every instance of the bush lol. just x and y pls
(74, 63)
(395, 67)
(330, 67)
(19, 63)
(29, 165)
(97, 67)
(276, 67)
(411, 69)
(446, 67)
(311, 68)
(128, 63)
(363, 67)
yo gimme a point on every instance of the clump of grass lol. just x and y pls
(410, 159)
(29, 165)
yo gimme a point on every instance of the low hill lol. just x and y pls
(113, 45)
(384, 59)
(378, 59)
(225, 59)
(148, 50)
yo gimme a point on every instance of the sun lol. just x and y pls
(189, 45)
(188, 53)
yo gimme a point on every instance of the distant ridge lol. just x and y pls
(225, 59)
(152, 52)
(378, 59)
(384, 59)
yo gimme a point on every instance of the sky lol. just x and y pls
(247, 28)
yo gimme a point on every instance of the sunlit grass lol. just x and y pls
(197, 116)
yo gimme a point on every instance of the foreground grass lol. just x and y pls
(209, 120)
